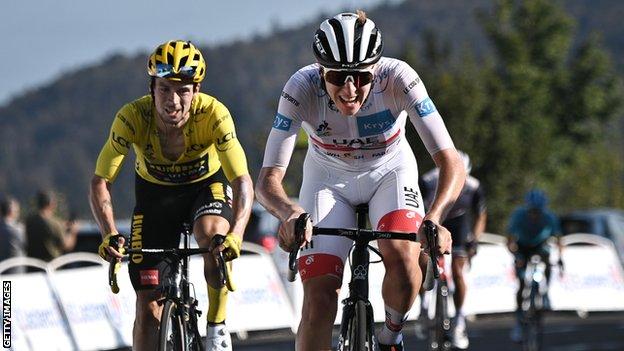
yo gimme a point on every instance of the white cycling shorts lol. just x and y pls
(330, 196)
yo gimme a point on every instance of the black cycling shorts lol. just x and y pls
(159, 216)
(460, 231)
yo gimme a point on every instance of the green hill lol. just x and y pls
(50, 136)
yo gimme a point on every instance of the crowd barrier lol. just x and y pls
(73, 309)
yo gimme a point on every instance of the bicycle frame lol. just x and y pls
(533, 297)
(176, 289)
(357, 302)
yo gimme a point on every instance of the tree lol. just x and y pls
(535, 112)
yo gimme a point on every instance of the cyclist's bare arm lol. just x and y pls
(479, 224)
(450, 184)
(102, 208)
(270, 193)
(242, 202)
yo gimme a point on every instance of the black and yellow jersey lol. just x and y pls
(209, 137)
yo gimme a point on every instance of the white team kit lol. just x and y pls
(357, 159)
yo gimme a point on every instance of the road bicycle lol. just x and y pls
(178, 322)
(357, 324)
(533, 303)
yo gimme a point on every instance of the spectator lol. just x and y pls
(47, 236)
(12, 240)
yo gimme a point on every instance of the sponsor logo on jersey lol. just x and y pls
(126, 123)
(425, 107)
(282, 122)
(323, 129)
(222, 142)
(119, 140)
(178, 173)
(220, 120)
(290, 99)
(411, 85)
(381, 82)
(376, 123)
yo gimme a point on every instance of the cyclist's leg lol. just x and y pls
(396, 205)
(156, 222)
(459, 228)
(211, 214)
(520, 262)
(147, 318)
(321, 262)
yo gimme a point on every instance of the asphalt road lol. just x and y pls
(563, 332)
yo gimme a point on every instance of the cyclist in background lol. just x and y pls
(529, 229)
(466, 222)
(353, 104)
(186, 147)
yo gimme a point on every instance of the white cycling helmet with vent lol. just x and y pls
(466, 159)
(347, 41)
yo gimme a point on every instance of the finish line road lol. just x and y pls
(562, 332)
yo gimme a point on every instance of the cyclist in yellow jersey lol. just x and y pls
(186, 147)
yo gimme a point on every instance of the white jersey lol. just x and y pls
(366, 140)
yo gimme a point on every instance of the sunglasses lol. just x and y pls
(166, 71)
(340, 78)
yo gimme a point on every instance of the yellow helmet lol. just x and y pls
(177, 60)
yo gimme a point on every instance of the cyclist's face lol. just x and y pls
(348, 97)
(173, 100)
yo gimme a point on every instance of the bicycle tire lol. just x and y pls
(193, 338)
(171, 334)
(356, 336)
(532, 338)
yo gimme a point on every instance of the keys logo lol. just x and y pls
(425, 107)
(282, 122)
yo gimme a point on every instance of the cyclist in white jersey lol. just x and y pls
(353, 105)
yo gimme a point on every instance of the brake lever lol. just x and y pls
(300, 226)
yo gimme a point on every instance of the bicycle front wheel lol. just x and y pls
(171, 335)
(356, 336)
(439, 335)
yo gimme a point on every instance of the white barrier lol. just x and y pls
(36, 319)
(75, 310)
(260, 301)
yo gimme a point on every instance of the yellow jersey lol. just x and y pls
(209, 138)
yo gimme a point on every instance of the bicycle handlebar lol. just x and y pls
(115, 264)
(432, 274)
(300, 226)
(352, 234)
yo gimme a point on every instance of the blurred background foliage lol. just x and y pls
(532, 90)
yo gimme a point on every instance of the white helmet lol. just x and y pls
(347, 41)
(466, 159)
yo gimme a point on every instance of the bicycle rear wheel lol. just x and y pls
(171, 335)
(357, 335)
